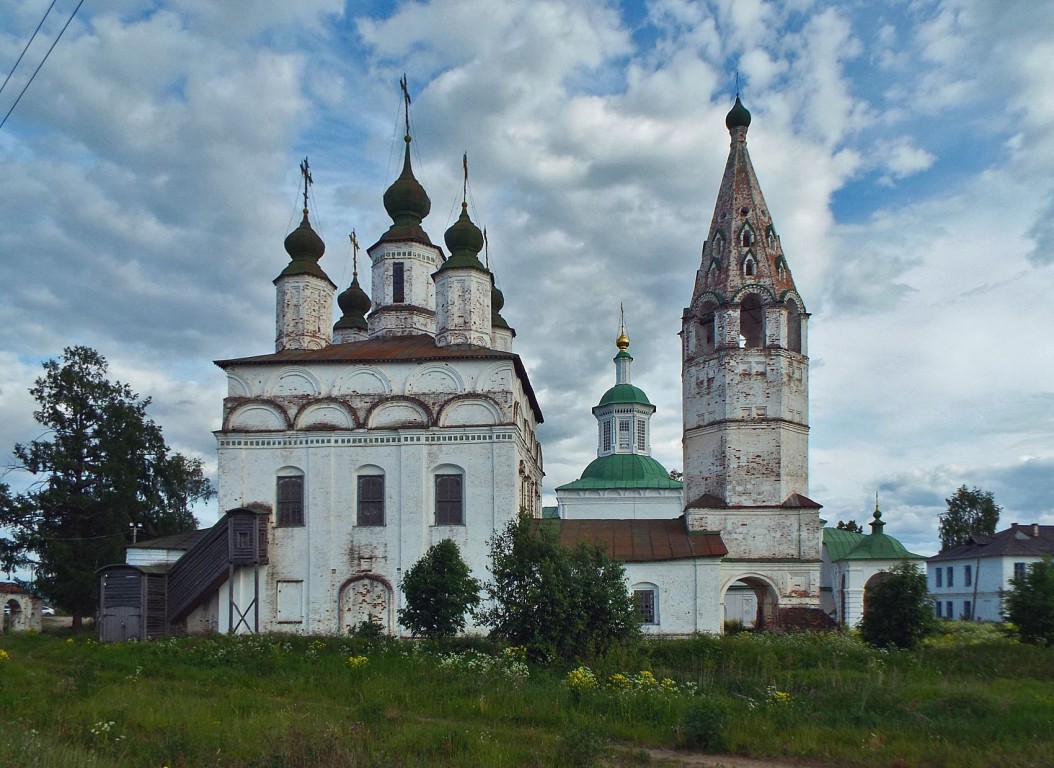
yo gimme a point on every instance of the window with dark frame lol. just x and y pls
(1019, 570)
(967, 610)
(290, 501)
(950, 573)
(948, 609)
(940, 576)
(449, 500)
(644, 599)
(968, 575)
(398, 289)
(937, 605)
(370, 503)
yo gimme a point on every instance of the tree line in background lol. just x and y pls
(103, 471)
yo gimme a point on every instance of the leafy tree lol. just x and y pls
(103, 466)
(897, 610)
(1029, 603)
(556, 602)
(970, 513)
(850, 525)
(440, 590)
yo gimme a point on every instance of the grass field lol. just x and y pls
(972, 698)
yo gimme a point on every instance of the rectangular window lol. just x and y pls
(949, 612)
(398, 290)
(606, 440)
(940, 573)
(968, 575)
(371, 500)
(1019, 570)
(644, 599)
(967, 610)
(950, 573)
(623, 433)
(290, 602)
(290, 501)
(449, 500)
(937, 606)
(641, 436)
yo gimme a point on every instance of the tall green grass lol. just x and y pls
(967, 698)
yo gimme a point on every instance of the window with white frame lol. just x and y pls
(289, 493)
(646, 600)
(449, 500)
(370, 501)
(624, 434)
(605, 439)
(642, 435)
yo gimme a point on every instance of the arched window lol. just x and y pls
(750, 267)
(752, 321)
(793, 327)
(646, 599)
(369, 498)
(289, 498)
(449, 496)
(707, 332)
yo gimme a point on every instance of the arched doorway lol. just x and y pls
(366, 599)
(870, 584)
(13, 616)
(753, 601)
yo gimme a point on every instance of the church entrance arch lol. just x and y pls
(870, 584)
(366, 599)
(752, 601)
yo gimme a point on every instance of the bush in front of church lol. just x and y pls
(556, 602)
(897, 611)
(440, 591)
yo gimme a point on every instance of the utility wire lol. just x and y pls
(31, 39)
(41, 64)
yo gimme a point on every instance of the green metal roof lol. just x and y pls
(846, 545)
(840, 543)
(623, 470)
(624, 393)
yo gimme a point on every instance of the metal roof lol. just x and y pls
(1026, 540)
(639, 541)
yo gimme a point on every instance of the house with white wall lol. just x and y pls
(967, 582)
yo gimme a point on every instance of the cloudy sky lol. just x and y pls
(906, 151)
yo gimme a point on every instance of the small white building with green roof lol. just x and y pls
(852, 563)
(624, 481)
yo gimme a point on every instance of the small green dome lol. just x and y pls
(497, 302)
(304, 243)
(624, 393)
(305, 248)
(738, 116)
(406, 200)
(464, 241)
(624, 470)
(354, 304)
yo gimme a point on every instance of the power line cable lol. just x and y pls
(31, 39)
(41, 64)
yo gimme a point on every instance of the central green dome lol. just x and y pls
(624, 470)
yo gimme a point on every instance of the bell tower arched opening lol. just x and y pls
(752, 321)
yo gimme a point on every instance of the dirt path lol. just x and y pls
(674, 759)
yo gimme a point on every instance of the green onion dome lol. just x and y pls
(354, 304)
(738, 116)
(464, 240)
(305, 248)
(406, 200)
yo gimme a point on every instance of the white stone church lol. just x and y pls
(352, 448)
